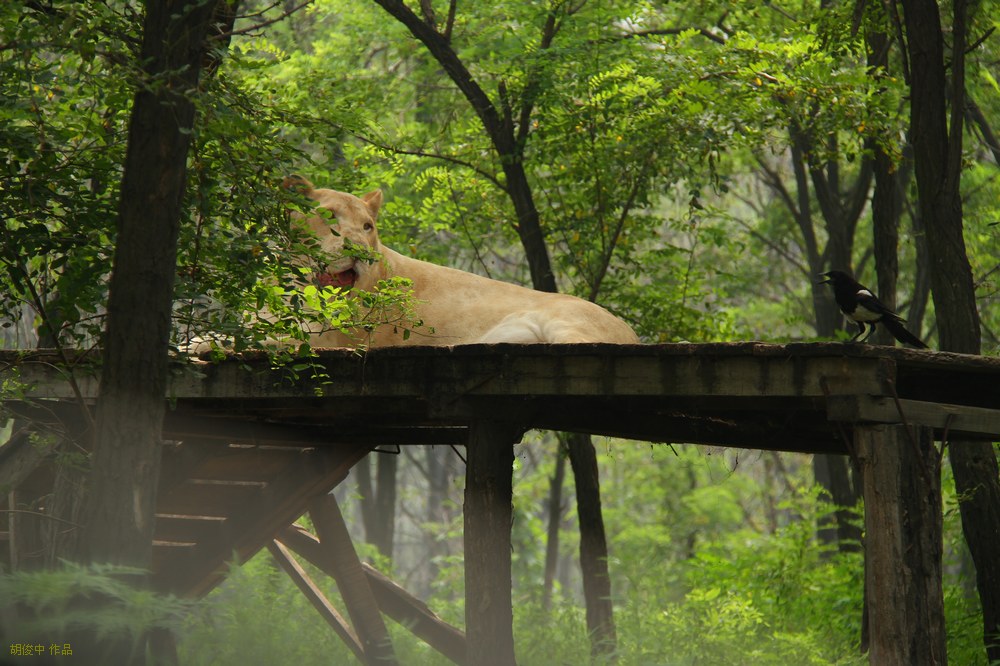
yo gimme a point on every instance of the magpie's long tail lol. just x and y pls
(900, 333)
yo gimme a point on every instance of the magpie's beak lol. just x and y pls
(824, 281)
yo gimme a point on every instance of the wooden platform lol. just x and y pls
(753, 395)
(253, 444)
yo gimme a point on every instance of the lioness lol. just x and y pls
(458, 307)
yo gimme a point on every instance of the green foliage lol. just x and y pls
(62, 122)
(97, 600)
(259, 617)
(647, 130)
(67, 74)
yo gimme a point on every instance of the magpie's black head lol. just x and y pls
(836, 277)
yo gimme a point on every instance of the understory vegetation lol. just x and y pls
(690, 167)
(716, 575)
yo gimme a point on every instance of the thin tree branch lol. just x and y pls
(657, 32)
(785, 254)
(427, 9)
(989, 138)
(609, 252)
(454, 67)
(263, 24)
(450, 22)
(437, 156)
(953, 169)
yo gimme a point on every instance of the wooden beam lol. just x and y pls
(900, 469)
(958, 419)
(183, 424)
(489, 616)
(316, 598)
(392, 599)
(337, 551)
(518, 370)
(414, 614)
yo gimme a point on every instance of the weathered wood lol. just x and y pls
(20, 456)
(337, 550)
(195, 571)
(518, 370)
(737, 394)
(392, 599)
(903, 523)
(747, 394)
(956, 419)
(181, 425)
(317, 598)
(414, 614)
(488, 513)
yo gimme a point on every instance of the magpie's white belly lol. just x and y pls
(863, 314)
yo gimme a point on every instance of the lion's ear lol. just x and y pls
(297, 184)
(373, 200)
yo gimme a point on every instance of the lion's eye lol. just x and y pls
(369, 226)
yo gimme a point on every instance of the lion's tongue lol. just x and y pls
(342, 279)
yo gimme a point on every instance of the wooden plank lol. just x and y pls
(488, 513)
(186, 529)
(316, 598)
(780, 425)
(183, 424)
(337, 550)
(247, 531)
(958, 419)
(392, 599)
(198, 499)
(517, 370)
(900, 468)
(180, 459)
(245, 463)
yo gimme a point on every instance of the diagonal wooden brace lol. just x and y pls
(337, 550)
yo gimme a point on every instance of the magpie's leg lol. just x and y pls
(860, 332)
(870, 332)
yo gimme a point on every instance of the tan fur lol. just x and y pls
(459, 307)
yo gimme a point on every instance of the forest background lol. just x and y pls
(692, 168)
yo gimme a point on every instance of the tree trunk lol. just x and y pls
(439, 474)
(593, 546)
(830, 471)
(555, 519)
(385, 504)
(130, 409)
(833, 474)
(938, 164)
(378, 501)
(126, 458)
(886, 204)
(500, 130)
(509, 146)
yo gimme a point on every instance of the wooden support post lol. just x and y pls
(316, 598)
(489, 616)
(902, 489)
(338, 550)
(392, 600)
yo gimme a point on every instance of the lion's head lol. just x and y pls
(345, 226)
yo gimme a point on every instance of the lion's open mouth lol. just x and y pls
(343, 279)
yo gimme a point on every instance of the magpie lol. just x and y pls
(863, 308)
